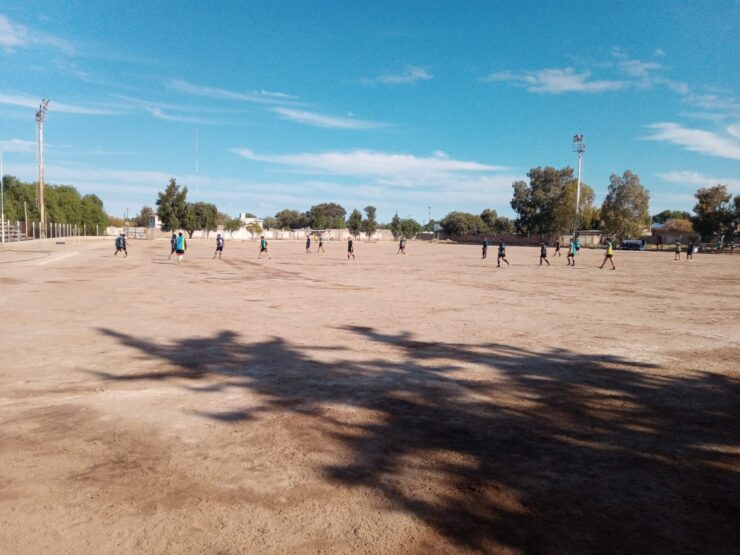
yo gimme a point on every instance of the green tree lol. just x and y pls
(142, 218)
(713, 212)
(201, 216)
(503, 225)
(354, 222)
(172, 207)
(409, 227)
(328, 215)
(290, 219)
(489, 217)
(269, 222)
(535, 202)
(665, 215)
(564, 209)
(93, 214)
(395, 226)
(625, 208)
(233, 224)
(370, 224)
(254, 227)
(463, 223)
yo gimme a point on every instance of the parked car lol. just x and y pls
(632, 245)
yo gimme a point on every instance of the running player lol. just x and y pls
(321, 244)
(219, 246)
(609, 255)
(484, 249)
(308, 244)
(263, 247)
(402, 246)
(543, 253)
(501, 255)
(572, 253)
(173, 244)
(180, 246)
(557, 248)
(350, 249)
(677, 250)
(121, 245)
(690, 251)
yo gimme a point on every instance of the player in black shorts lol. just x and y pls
(173, 242)
(219, 246)
(501, 255)
(484, 249)
(121, 245)
(543, 253)
(350, 249)
(557, 248)
(321, 245)
(308, 244)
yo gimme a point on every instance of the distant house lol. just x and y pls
(246, 220)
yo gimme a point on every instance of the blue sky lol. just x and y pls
(403, 105)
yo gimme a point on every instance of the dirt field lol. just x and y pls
(427, 403)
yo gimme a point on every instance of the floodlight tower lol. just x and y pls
(579, 147)
(40, 119)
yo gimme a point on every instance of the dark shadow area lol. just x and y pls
(553, 452)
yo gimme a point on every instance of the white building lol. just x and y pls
(246, 220)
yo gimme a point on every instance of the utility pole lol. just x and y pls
(579, 147)
(40, 119)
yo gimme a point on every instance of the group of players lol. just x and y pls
(179, 245)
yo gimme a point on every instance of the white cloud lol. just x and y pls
(659, 52)
(158, 113)
(388, 168)
(321, 120)
(15, 35)
(695, 140)
(410, 74)
(17, 145)
(556, 81)
(54, 106)
(697, 179)
(258, 97)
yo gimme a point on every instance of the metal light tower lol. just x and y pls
(579, 147)
(40, 119)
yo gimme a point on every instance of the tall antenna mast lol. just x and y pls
(579, 147)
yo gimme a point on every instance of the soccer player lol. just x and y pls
(219, 246)
(609, 255)
(484, 250)
(263, 247)
(543, 253)
(677, 250)
(180, 246)
(121, 245)
(350, 249)
(173, 242)
(690, 251)
(402, 246)
(557, 248)
(308, 244)
(501, 255)
(572, 254)
(321, 244)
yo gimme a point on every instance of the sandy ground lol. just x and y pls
(427, 403)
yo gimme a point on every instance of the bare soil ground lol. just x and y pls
(427, 403)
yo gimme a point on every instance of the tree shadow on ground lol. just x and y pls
(497, 446)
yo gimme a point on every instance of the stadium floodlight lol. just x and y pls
(579, 147)
(40, 119)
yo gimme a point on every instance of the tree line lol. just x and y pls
(63, 204)
(544, 207)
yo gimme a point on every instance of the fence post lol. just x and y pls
(17, 231)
